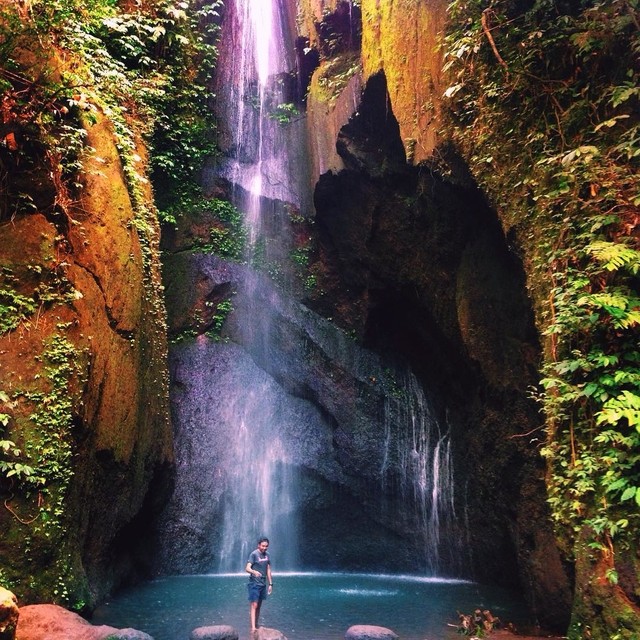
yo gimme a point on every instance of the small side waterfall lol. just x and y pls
(418, 459)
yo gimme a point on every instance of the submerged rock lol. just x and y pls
(264, 633)
(214, 632)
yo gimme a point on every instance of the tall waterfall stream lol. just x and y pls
(260, 496)
(261, 481)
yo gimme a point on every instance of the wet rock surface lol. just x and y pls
(265, 633)
(214, 632)
(369, 632)
(96, 293)
(325, 393)
(414, 262)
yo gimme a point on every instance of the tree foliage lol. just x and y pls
(153, 65)
(544, 101)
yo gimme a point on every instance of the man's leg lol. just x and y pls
(258, 607)
(254, 612)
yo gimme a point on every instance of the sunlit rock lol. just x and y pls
(369, 632)
(51, 622)
(8, 614)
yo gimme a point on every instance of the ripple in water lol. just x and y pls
(367, 592)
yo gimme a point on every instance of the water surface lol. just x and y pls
(307, 606)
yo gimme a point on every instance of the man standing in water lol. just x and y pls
(260, 584)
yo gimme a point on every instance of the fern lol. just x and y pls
(615, 255)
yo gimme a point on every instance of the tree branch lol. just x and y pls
(484, 21)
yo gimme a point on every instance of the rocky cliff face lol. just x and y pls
(346, 432)
(413, 261)
(83, 371)
(327, 397)
(410, 263)
(400, 39)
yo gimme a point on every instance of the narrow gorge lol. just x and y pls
(304, 269)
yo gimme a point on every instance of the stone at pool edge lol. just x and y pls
(128, 634)
(369, 632)
(8, 614)
(264, 633)
(52, 622)
(215, 632)
(225, 632)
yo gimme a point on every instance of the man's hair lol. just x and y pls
(261, 540)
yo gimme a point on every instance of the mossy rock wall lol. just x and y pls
(400, 38)
(85, 375)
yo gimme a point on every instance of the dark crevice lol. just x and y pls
(340, 30)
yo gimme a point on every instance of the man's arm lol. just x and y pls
(269, 578)
(248, 569)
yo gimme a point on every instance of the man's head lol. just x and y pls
(263, 544)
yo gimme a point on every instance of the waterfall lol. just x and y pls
(260, 482)
(279, 427)
(417, 458)
(251, 96)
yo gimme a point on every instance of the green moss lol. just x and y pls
(222, 311)
(14, 308)
(227, 233)
(334, 75)
(543, 104)
(45, 560)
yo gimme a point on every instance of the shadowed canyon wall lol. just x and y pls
(413, 261)
(304, 390)
(410, 280)
(409, 261)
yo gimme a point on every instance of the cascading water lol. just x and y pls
(260, 481)
(289, 428)
(418, 458)
(256, 89)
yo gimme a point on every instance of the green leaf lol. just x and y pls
(618, 484)
(628, 493)
(586, 153)
(612, 576)
(590, 389)
(615, 255)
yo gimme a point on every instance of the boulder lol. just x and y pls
(369, 632)
(264, 633)
(214, 632)
(8, 614)
(51, 622)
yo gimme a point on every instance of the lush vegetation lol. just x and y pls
(64, 66)
(148, 69)
(544, 101)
